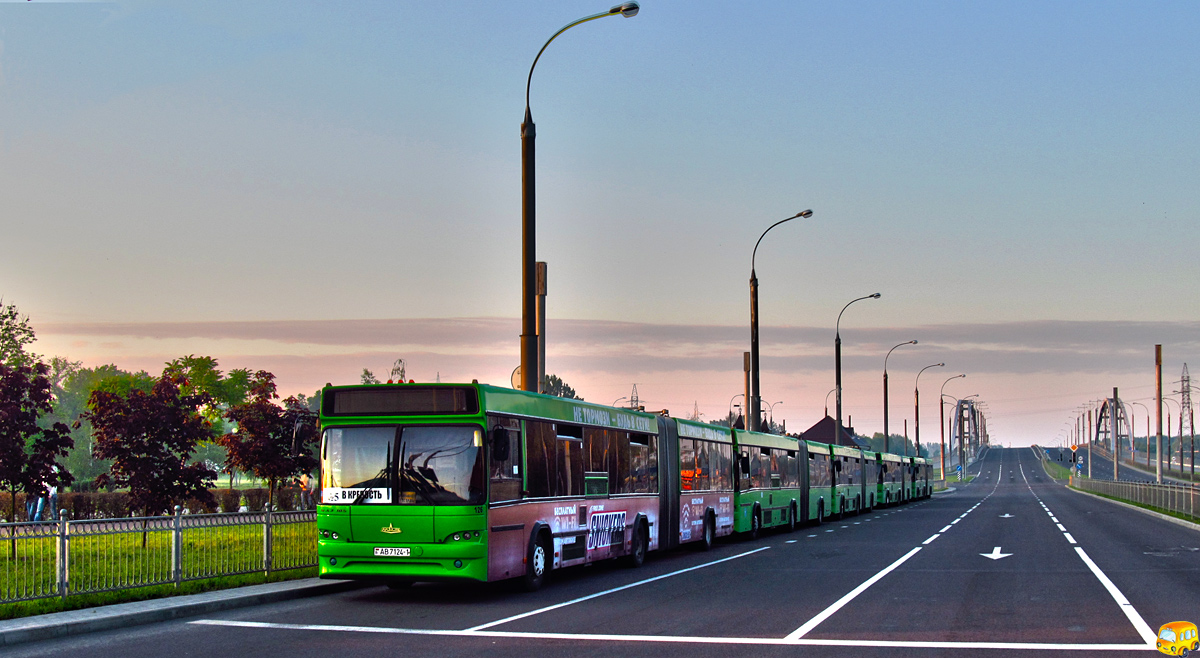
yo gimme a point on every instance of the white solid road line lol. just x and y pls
(837, 605)
(1139, 624)
(678, 639)
(1134, 618)
(611, 591)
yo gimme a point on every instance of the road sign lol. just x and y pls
(1074, 448)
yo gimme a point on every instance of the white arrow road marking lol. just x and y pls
(1006, 515)
(995, 554)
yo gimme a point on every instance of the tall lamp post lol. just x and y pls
(942, 421)
(837, 363)
(530, 377)
(917, 410)
(755, 406)
(887, 437)
(1167, 451)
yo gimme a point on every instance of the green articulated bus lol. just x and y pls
(870, 480)
(426, 482)
(770, 491)
(891, 478)
(848, 480)
(820, 481)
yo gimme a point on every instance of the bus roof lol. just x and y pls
(844, 451)
(696, 430)
(442, 400)
(818, 448)
(889, 457)
(763, 440)
(537, 405)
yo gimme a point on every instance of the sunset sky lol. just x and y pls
(315, 188)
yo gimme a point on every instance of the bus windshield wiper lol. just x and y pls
(362, 495)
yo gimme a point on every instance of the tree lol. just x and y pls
(71, 394)
(272, 442)
(552, 385)
(29, 452)
(368, 377)
(311, 402)
(15, 334)
(150, 438)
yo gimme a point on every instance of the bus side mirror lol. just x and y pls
(745, 465)
(500, 452)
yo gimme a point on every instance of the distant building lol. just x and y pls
(823, 432)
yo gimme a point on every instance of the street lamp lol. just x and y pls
(827, 399)
(755, 402)
(731, 405)
(837, 363)
(1167, 452)
(530, 377)
(887, 437)
(771, 410)
(917, 410)
(942, 421)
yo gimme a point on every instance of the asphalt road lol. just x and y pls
(1009, 565)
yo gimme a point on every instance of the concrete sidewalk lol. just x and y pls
(122, 615)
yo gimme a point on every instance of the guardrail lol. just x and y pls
(1179, 498)
(61, 558)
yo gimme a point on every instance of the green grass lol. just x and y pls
(81, 601)
(1055, 471)
(951, 482)
(116, 560)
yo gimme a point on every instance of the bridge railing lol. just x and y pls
(1181, 499)
(59, 558)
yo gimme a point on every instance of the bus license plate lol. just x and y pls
(392, 551)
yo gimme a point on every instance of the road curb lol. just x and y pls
(122, 615)
(1164, 517)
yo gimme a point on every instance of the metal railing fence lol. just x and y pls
(60, 558)
(1179, 498)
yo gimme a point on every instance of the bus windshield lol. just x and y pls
(407, 465)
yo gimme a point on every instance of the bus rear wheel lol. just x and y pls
(537, 564)
(755, 524)
(710, 533)
(637, 548)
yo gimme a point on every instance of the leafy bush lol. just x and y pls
(256, 499)
(229, 499)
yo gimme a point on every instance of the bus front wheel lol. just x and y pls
(537, 564)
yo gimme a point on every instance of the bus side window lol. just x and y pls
(504, 463)
(743, 471)
(687, 464)
(541, 467)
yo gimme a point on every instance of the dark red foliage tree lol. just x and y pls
(151, 438)
(275, 443)
(29, 453)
